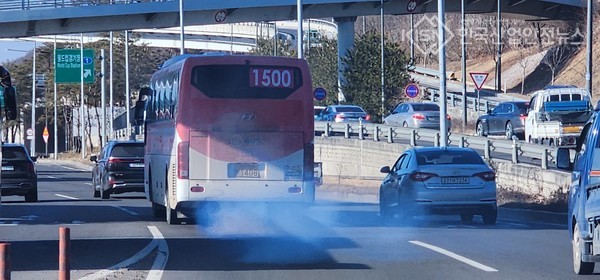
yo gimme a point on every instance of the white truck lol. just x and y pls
(556, 115)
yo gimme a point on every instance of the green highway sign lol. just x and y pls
(67, 66)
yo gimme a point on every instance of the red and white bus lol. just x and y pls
(228, 128)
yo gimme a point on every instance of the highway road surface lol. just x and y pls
(120, 239)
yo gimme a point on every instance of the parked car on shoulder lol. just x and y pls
(508, 119)
(343, 114)
(417, 115)
(439, 180)
(119, 168)
(19, 173)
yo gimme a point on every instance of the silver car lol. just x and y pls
(417, 115)
(439, 180)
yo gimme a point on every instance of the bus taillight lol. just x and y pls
(183, 163)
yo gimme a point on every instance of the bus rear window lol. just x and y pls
(246, 81)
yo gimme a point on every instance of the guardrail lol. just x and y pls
(514, 150)
(518, 151)
(454, 99)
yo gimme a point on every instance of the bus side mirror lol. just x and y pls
(138, 114)
(9, 101)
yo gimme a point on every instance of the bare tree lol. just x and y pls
(524, 62)
(555, 57)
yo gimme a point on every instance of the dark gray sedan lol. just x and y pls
(508, 119)
(439, 180)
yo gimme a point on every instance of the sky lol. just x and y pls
(13, 49)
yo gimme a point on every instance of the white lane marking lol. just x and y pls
(158, 267)
(455, 256)
(89, 184)
(126, 210)
(4, 225)
(51, 177)
(66, 196)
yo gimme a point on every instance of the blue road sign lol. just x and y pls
(411, 90)
(320, 93)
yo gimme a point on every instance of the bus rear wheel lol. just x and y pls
(171, 215)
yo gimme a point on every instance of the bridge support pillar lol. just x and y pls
(345, 26)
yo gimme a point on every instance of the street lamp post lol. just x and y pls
(32, 143)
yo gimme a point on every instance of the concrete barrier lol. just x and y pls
(356, 162)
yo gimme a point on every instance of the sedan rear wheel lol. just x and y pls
(104, 193)
(579, 266)
(466, 218)
(490, 216)
(479, 129)
(32, 196)
(509, 131)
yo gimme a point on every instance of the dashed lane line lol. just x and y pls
(455, 256)
(126, 210)
(66, 196)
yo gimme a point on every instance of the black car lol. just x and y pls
(508, 119)
(19, 174)
(119, 168)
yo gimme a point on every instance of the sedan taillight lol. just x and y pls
(418, 117)
(487, 176)
(422, 176)
(339, 117)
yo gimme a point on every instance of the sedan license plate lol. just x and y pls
(8, 168)
(433, 118)
(136, 165)
(246, 170)
(455, 180)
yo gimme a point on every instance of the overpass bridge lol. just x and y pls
(25, 18)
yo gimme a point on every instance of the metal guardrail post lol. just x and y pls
(463, 141)
(487, 106)
(436, 140)
(327, 130)
(413, 138)
(515, 150)
(376, 134)
(545, 159)
(347, 131)
(390, 138)
(361, 134)
(487, 149)
(452, 101)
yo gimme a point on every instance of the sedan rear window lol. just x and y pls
(127, 151)
(13, 153)
(349, 109)
(425, 107)
(448, 157)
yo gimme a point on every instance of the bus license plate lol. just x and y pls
(455, 180)
(247, 170)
